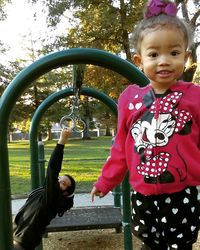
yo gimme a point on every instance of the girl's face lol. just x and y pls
(64, 182)
(162, 57)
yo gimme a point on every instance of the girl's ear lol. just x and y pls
(136, 58)
(188, 56)
(188, 60)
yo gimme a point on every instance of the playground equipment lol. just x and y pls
(16, 88)
(77, 218)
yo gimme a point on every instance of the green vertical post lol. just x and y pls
(41, 162)
(117, 196)
(5, 193)
(35, 178)
(128, 245)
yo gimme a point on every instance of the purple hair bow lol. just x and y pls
(157, 7)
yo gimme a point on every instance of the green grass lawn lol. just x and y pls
(83, 159)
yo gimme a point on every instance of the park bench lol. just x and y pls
(87, 218)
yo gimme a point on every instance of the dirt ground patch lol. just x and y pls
(91, 240)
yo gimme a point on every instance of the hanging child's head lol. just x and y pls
(66, 197)
(161, 14)
(71, 188)
(67, 184)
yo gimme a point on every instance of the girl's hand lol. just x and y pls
(96, 192)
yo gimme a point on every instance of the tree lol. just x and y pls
(2, 5)
(92, 23)
(93, 27)
(102, 24)
(193, 19)
(197, 75)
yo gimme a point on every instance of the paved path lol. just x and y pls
(79, 201)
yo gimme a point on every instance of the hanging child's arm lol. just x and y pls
(55, 164)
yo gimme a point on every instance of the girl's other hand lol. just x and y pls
(96, 192)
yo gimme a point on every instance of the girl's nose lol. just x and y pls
(164, 60)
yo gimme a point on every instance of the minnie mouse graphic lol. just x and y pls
(162, 120)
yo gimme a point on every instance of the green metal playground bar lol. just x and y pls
(15, 90)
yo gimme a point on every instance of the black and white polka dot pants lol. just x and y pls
(168, 221)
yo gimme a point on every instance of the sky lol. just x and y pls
(21, 22)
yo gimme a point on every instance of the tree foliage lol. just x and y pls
(192, 17)
(2, 5)
(107, 24)
(101, 24)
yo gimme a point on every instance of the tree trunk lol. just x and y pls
(108, 133)
(86, 135)
(49, 134)
(191, 66)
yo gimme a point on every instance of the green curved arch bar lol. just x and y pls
(16, 88)
(67, 57)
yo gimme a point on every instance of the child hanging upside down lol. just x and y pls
(44, 203)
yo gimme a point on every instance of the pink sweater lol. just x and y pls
(158, 140)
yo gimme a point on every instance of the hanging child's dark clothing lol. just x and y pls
(158, 218)
(42, 205)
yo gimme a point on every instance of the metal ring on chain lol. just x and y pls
(76, 125)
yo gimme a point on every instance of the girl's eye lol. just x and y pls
(153, 54)
(175, 53)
